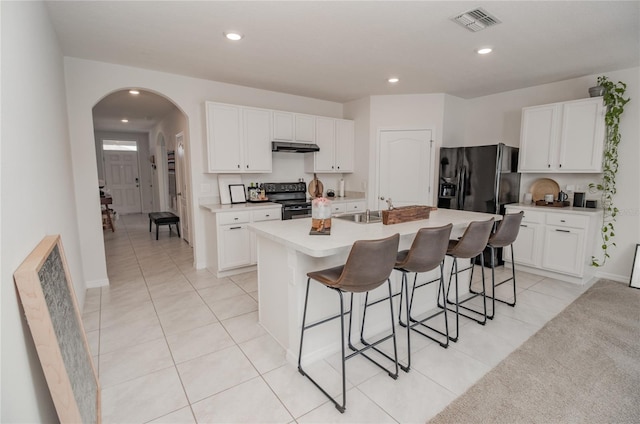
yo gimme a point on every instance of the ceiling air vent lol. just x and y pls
(476, 20)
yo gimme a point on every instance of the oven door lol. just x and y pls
(294, 212)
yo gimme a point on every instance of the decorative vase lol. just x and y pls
(320, 214)
(596, 91)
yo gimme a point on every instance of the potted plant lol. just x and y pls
(614, 101)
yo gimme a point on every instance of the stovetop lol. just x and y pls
(287, 193)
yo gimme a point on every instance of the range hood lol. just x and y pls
(280, 146)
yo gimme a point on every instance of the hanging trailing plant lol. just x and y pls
(614, 102)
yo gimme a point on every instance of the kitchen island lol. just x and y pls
(286, 252)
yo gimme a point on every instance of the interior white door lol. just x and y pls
(404, 170)
(181, 183)
(122, 179)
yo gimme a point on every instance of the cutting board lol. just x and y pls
(316, 188)
(223, 186)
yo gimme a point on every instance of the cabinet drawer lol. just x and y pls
(533, 217)
(565, 220)
(356, 206)
(233, 217)
(266, 215)
(339, 207)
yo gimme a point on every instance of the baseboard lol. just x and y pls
(97, 283)
(613, 277)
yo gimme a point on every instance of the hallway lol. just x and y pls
(172, 344)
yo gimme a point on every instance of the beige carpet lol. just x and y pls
(582, 367)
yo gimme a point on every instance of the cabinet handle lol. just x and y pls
(563, 231)
(523, 225)
(247, 166)
(548, 165)
(235, 219)
(560, 166)
(238, 166)
(338, 167)
(267, 215)
(562, 220)
(332, 167)
(235, 228)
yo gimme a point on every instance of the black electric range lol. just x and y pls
(292, 197)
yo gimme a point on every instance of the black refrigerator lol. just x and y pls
(479, 179)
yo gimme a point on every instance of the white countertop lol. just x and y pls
(217, 207)
(566, 209)
(295, 233)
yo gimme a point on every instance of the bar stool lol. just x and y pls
(470, 245)
(368, 266)
(504, 236)
(427, 252)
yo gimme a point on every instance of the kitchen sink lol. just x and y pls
(361, 217)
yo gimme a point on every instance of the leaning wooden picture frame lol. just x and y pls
(50, 306)
(634, 280)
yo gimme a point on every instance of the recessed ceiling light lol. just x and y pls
(393, 80)
(233, 36)
(134, 92)
(485, 50)
(125, 120)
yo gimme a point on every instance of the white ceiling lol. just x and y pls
(345, 50)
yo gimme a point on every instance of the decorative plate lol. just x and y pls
(543, 186)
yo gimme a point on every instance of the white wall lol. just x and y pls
(455, 117)
(171, 125)
(360, 112)
(497, 118)
(37, 193)
(89, 81)
(413, 111)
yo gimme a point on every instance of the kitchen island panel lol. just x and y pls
(286, 253)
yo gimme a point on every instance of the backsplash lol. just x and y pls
(569, 183)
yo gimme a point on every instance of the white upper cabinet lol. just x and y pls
(563, 137)
(282, 126)
(256, 125)
(345, 145)
(238, 138)
(582, 136)
(336, 140)
(288, 126)
(224, 138)
(305, 129)
(324, 160)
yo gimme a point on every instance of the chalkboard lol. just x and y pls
(51, 310)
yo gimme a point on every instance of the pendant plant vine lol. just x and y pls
(614, 102)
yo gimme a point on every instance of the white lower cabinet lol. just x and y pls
(339, 206)
(235, 246)
(231, 246)
(526, 247)
(563, 250)
(557, 244)
(359, 206)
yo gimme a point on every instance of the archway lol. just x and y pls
(151, 122)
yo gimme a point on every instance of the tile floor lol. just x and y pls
(177, 345)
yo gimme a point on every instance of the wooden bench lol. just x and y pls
(164, 218)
